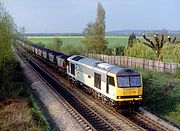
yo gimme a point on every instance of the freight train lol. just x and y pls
(120, 87)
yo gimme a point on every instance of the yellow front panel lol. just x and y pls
(129, 91)
(135, 91)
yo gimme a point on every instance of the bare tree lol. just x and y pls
(156, 43)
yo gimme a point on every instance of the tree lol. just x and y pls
(88, 41)
(156, 43)
(55, 45)
(7, 27)
(8, 34)
(40, 44)
(99, 25)
(58, 43)
(89, 34)
(94, 33)
(132, 40)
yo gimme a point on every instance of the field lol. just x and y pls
(113, 41)
(74, 42)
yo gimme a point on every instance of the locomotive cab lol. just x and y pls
(129, 87)
(124, 86)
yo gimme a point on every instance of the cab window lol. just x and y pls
(97, 80)
(123, 81)
(135, 81)
(111, 81)
(72, 69)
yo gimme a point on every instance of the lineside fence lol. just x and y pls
(137, 62)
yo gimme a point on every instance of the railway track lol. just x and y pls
(84, 124)
(150, 122)
(87, 117)
(147, 123)
(144, 122)
(137, 121)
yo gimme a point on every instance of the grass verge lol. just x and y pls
(36, 112)
(18, 108)
(17, 115)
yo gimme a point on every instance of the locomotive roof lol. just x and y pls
(103, 65)
(116, 69)
(85, 60)
(123, 70)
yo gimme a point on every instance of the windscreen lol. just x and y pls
(129, 81)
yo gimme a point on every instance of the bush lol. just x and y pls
(71, 50)
(9, 86)
(120, 50)
(162, 94)
(139, 50)
(171, 52)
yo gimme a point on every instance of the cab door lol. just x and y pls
(110, 85)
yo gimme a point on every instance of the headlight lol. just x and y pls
(140, 96)
(118, 97)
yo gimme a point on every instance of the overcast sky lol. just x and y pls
(65, 16)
